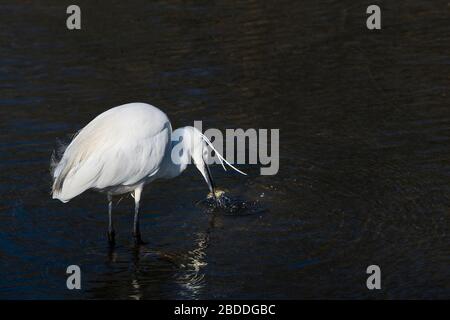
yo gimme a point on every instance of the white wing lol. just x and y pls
(120, 147)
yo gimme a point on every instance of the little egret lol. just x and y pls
(123, 149)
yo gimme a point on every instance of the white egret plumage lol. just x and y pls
(123, 149)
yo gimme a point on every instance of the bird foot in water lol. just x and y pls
(111, 238)
(138, 240)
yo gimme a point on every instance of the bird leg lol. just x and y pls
(136, 229)
(111, 232)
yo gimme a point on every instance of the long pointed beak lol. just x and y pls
(210, 181)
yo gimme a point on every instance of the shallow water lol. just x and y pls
(364, 125)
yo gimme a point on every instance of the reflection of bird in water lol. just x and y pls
(191, 275)
(125, 148)
(190, 265)
(137, 288)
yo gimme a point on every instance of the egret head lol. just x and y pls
(200, 159)
(194, 148)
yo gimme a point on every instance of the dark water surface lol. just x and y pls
(364, 125)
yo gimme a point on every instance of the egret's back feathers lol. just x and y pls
(122, 146)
